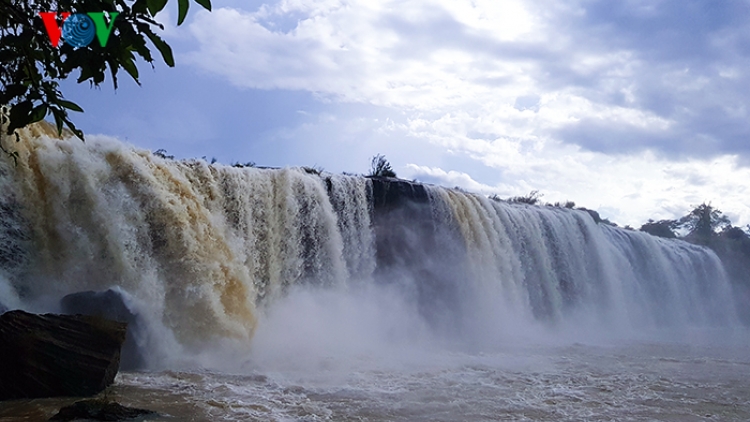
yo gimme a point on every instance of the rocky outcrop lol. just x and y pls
(593, 214)
(57, 355)
(389, 193)
(402, 217)
(99, 410)
(416, 248)
(111, 304)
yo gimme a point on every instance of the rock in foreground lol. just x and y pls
(111, 304)
(98, 410)
(57, 355)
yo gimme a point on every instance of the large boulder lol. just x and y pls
(111, 304)
(57, 355)
(99, 410)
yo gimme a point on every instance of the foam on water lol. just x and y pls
(632, 382)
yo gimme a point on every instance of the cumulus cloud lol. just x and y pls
(438, 176)
(637, 107)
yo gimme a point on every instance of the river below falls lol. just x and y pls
(630, 381)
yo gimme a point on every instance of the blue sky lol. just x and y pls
(636, 108)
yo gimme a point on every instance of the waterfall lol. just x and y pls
(552, 262)
(197, 247)
(201, 249)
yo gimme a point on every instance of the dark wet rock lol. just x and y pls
(402, 216)
(390, 193)
(57, 355)
(99, 410)
(111, 304)
(593, 214)
(417, 248)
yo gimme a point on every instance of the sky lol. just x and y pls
(635, 108)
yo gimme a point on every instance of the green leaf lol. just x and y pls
(163, 47)
(86, 73)
(19, 116)
(59, 119)
(155, 6)
(183, 6)
(38, 113)
(70, 105)
(205, 3)
(140, 7)
(77, 132)
(127, 61)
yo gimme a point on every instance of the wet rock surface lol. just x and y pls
(99, 410)
(417, 248)
(112, 305)
(57, 355)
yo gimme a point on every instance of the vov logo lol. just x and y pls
(78, 30)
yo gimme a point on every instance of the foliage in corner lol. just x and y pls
(4, 120)
(380, 167)
(32, 67)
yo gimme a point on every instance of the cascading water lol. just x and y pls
(555, 263)
(361, 299)
(198, 247)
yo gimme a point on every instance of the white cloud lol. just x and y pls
(628, 192)
(450, 178)
(567, 99)
(361, 51)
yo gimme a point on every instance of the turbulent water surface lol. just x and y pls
(265, 296)
(643, 382)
